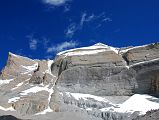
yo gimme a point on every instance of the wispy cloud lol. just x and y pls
(67, 8)
(55, 2)
(63, 46)
(107, 19)
(86, 19)
(45, 42)
(33, 44)
(71, 29)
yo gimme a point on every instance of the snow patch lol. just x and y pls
(114, 49)
(99, 47)
(13, 99)
(144, 62)
(50, 90)
(17, 86)
(6, 109)
(84, 52)
(130, 48)
(50, 62)
(79, 96)
(137, 102)
(3, 82)
(35, 89)
(18, 56)
(31, 68)
(45, 111)
(93, 47)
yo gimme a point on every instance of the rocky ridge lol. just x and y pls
(98, 82)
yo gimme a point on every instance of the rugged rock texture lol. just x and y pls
(142, 53)
(101, 73)
(90, 83)
(24, 73)
(107, 72)
(16, 66)
(150, 115)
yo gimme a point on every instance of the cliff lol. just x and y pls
(98, 82)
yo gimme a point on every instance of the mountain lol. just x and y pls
(98, 82)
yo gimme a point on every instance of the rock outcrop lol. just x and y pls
(107, 72)
(97, 82)
(26, 74)
(150, 115)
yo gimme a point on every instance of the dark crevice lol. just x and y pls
(126, 60)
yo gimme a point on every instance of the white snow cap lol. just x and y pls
(96, 48)
(100, 44)
(19, 56)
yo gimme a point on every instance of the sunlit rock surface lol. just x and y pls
(98, 82)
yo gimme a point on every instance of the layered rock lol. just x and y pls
(141, 53)
(29, 84)
(92, 71)
(103, 71)
(95, 82)
(144, 60)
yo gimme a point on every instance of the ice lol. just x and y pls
(30, 68)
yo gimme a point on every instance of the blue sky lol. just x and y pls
(41, 28)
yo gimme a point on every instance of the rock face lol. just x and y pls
(25, 89)
(150, 115)
(97, 82)
(108, 72)
(141, 54)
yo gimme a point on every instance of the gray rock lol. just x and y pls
(111, 72)
(142, 54)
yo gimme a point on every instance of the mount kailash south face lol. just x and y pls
(98, 82)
